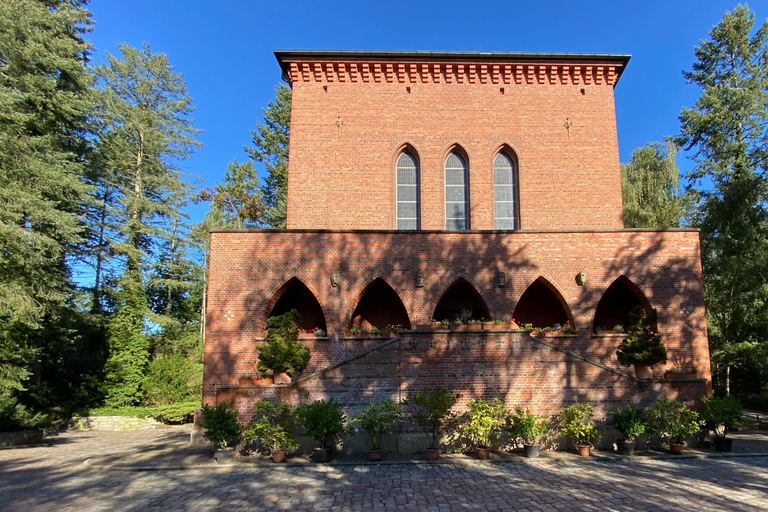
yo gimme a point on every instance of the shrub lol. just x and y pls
(378, 418)
(15, 416)
(282, 351)
(171, 378)
(273, 426)
(630, 422)
(484, 420)
(325, 421)
(672, 421)
(527, 428)
(721, 414)
(432, 411)
(577, 425)
(642, 346)
(220, 424)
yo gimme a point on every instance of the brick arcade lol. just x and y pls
(422, 184)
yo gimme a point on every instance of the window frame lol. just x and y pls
(465, 161)
(412, 154)
(514, 185)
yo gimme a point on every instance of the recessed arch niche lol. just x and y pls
(542, 306)
(296, 295)
(460, 296)
(379, 306)
(618, 300)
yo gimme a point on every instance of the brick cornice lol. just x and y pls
(412, 69)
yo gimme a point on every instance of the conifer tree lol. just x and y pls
(43, 108)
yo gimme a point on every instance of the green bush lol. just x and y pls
(379, 418)
(527, 428)
(220, 424)
(630, 422)
(721, 414)
(282, 350)
(15, 416)
(483, 420)
(431, 409)
(643, 345)
(171, 378)
(577, 425)
(325, 421)
(672, 421)
(173, 414)
(273, 425)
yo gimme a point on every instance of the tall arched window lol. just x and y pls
(407, 192)
(456, 204)
(505, 192)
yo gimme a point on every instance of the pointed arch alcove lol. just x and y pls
(542, 305)
(295, 295)
(379, 306)
(618, 300)
(461, 295)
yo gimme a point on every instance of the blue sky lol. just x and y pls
(224, 48)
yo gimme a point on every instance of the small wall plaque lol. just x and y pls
(335, 279)
(420, 280)
(501, 279)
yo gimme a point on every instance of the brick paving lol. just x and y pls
(54, 477)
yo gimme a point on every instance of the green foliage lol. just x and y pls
(325, 421)
(270, 147)
(378, 418)
(642, 346)
(576, 423)
(527, 428)
(650, 188)
(15, 416)
(172, 378)
(220, 424)
(672, 421)
(173, 414)
(721, 414)
(727, 132)
(483, 420)
(128, 358)
(43, 108)
(431, 410)
(282, 350)
(273, 426)
(239, 196)
(630, 422)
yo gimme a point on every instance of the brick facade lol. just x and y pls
(341, 262)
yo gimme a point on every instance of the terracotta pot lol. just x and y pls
(279, 455)
(375, 455)
(256, 382)
(626, 448)
(583, 449)
(280, 377)
(432, 453)
(532, 450)
(483, 453)
(676, 449)
(643, 371)
(723, 444)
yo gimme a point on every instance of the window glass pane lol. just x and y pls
(406, 193)
(454, 176)
(406, 160)
(505, 224)
(504, 193)
(406, 176)
(505, 209)
(406, 210)
(407, 224)
(454, 194)
(454, 211)
(502, 161)
(455, 161)
(502, 176)
(455, 224)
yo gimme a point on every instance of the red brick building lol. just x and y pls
(422, 184)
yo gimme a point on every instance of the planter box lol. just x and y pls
(257, 382)
(678, 375)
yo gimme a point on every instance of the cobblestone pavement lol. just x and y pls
(54, 477)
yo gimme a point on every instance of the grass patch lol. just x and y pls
(174, 414)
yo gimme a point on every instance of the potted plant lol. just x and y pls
(377, 419)
(221, 429)
(642, 348)
(282, 353)
(482, 422)
(681, 372)
(325, 421)
(673, 421)
(273, 425)
(721, 415)
(431, 410)
(630, 422)
(576, 424)
(527, 429)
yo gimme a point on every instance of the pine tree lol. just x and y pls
(43, 108)
(270, 147)
(650, 188)
(727, 131)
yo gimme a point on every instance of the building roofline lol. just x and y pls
(284, 56)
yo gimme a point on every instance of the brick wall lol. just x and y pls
(347, 134)
(248, 270)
